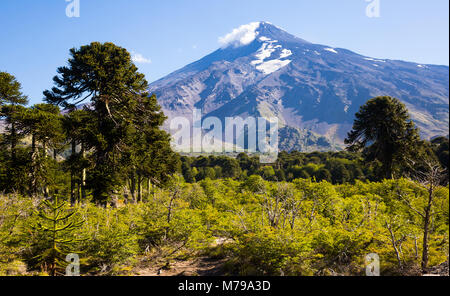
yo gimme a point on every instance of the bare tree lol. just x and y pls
(282, 206)
(430, 177)
(396, 244)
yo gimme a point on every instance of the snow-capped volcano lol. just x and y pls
(315, 90)
(264, 31)
(271, 56)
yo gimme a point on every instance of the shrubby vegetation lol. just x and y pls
(268, 228)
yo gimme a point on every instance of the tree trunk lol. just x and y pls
(44, 156)
(133, 187)
(11, 168)
(72, 177)
(170, 207)
(44, 148)
(394, 245)
(13, 143)
(83, 174)
(78, 195)
(426, 226)
(425, 246)
(139, 187)
(33, 184)
(416, 248)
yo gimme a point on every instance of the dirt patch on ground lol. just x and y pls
(201, 266)
(440, 270)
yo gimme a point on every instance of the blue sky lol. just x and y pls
(36, 35)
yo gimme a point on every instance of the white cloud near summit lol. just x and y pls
(241, 36)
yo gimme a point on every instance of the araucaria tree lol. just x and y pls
(384, 132)
(104, 76)
(12, 102)
(43, 123)
(148, 155)
(54, 235)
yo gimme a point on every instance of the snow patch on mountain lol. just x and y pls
(375, 60)
(285, 53)
(272, 66)
(265, 52)
(241, 36)
(330, 50)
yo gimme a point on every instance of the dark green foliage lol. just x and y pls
(336, 167)
(324, 175)
(124, 120)
(441, 149)
(384, 132)
(12, 103)
(10, 90)
(42, 122)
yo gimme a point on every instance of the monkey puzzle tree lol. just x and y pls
(54, 235)
(12, 103)
(383, 131)
(105, 75)
(43, 122)
(148, 155)
(10, 91)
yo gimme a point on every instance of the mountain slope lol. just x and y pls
(261, 70)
